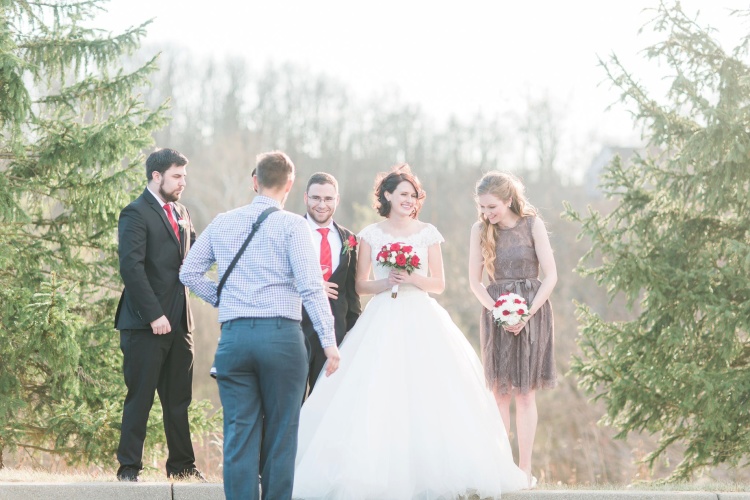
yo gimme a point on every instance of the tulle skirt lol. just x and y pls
(406, 416)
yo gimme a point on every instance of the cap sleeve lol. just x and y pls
(432, 235)
(368, 234)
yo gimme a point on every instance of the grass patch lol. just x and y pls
(27, 475)
(699, 485)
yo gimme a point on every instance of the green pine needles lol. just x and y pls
(677, 247)
(72, 128)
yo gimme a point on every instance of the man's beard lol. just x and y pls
(168, 197)
(314, 216)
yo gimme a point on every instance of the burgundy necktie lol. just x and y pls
(325, 254)
(175, 228)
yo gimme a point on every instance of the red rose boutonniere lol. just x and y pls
(349, 245)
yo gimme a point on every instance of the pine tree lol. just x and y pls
(72, 129)
(677, 246)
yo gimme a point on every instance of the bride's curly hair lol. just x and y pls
(505, 187)
(388, 182)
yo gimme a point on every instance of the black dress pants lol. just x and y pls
(164, 364)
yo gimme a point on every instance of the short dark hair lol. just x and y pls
(273, 169)
(322, 178)
(161, 159)
(387, 183)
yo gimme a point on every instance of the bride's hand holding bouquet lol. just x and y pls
(400, 257)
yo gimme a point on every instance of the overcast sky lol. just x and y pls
(453, 57)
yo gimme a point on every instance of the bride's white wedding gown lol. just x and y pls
(407, 415)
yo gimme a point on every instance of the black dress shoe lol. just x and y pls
(125, 473)
(188, 474)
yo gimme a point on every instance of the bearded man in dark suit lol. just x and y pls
(154, 318)
(337, 252)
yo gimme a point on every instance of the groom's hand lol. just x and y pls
(332, 354)
(161, 325)
(331, 290)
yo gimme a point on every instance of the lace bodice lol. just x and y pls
(421, 241)
(515, 253)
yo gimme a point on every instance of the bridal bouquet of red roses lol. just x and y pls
(398, 256)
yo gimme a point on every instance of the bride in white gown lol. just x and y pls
(407, 415)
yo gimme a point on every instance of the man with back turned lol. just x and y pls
(261, 361)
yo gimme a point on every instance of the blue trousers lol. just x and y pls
(261, 369)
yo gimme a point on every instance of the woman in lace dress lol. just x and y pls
(407, 415)
(510, 243)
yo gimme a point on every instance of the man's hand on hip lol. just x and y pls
(331, 290)
(161, 325)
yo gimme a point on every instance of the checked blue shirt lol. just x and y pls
(276, 274)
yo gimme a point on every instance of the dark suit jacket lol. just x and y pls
(347, 307)
(150, 260)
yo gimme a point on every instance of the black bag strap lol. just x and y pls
(256, 225)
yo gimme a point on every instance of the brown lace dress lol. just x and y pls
(522, 362)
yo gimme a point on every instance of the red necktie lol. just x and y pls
(168, 209)
(325, 254)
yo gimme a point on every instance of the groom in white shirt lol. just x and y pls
(336, 249)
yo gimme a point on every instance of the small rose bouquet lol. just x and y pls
(184, 224)
(349, 245)
(399, 256)
(510, 309)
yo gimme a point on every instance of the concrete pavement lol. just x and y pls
(215, 491)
